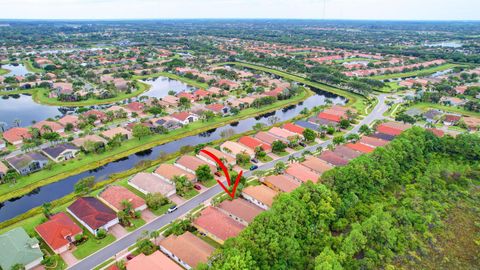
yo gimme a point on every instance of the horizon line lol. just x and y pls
(273, 18)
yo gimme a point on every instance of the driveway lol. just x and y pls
(118, 231)
(148, 216)
(176, 199)
(68, 257)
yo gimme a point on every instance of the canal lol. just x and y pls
(17, 206)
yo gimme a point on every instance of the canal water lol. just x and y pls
(17, 206)
(23, 108)
(15, 70)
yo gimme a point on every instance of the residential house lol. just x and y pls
(240, 210)
(81, 141)
(383, 136)
(98, 115)
(302, 173)
(294, 128)
(111, 133)
(222, 156)
(3, 170)
(281, 183)
(316, 165)
(170, 101)
(150, 183)
(392, 128)
(261, 195)
(218, 108)
(93, 214)
(114, 196)
(451, 119)
(306, 124)
(156, 260)
(16, 135)
(284, 134)
(201, 94)
(184, 117)
(61, 152)
(168, 171)
(360, 147)
(191, 163)
(432, 115)
(473, 123)
(59, 232)
(452, 101)
(346, 153)
(372, 142)
(268, 137)
(333, 159)
(27, 163)
(69, 119)
(16, 247)
(187, 249)
(49, 126)
(217, 225)
(253, 143)
(233, 149)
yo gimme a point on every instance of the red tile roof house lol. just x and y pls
(333, 159)
(218, 108)
(43, 126)
(185, 117)
(294, 128)
(261, 195)
(27, 163)
(69, 119)
(191, 163)
(150, 183)
(187, 95)
(109, 134)
(222, 156)
(16, 135)
(301, 173)
(217, 225)
(201, 94)
(101, 116)
(316, 165)
(168, 171)
(58, 232)
(451, 119)
(240, 210)
(253, 143)
(113, 196)
(156, 260)
(281, 183)
(373, 142)
(393, 131)
(329, 117)
(283, 133)
(233, 149)
(360, 147)
(187, 249)
(93, 214)
(227, 83)
(135, 106)
(346, 152)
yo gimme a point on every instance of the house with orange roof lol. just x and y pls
(59, 232)
(114, 196)
(260, 195)
(69, 119)
(240, 210)
(185, 117)
(191, 163)
(302, 174)
(317, 165)
(46, 126)
(16, 135)
(360, 147)
(216, 225)
(253, 143)
(187, 249)
(111, 133)
(156, 260)
(281, 183)
(222, 156)
(294, 128)
(234, 148)
(283, 133)
(168, 171)
(201, 94)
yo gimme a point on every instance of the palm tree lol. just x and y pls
(3, 125)
(17, 122)
(154, 235)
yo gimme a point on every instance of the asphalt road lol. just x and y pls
(121, 244)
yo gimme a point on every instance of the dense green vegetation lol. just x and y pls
(379, 208)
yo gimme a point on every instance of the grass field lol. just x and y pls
(92, 245)
(16, 92)
(72, 167)
(426, 106)
(29, 66)
(416, 73)
(390, 87)
(354, 100)
(4, 71)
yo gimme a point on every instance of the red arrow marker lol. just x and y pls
(226, 173)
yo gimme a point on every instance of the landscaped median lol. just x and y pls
(356, 101)
(63, 170)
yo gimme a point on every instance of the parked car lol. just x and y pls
(172, 209)
(254, 160)
(217, 174)
(253, 167)
(197, 187)
(302, 144)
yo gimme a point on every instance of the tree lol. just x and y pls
(140, 131)
(405, 118)
(260, 153)
(182, 185)
(309, 135)
(338, 140)
(344, 124)
(364, 129)
(47, 209)
(278, 147)
(51, 136)
(204, 173)
(184, 103)
(208, 115)
(155, 110)
(280, 167)
(156, 200)
(242, 159)
(84, 186)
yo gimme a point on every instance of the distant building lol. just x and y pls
(27, 163)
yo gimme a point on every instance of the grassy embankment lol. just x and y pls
(356, 101)
(4, 71)
(18, 92)
(63, 170)
(416, 73)
(29, 66)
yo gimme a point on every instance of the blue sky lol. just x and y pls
(307, 9)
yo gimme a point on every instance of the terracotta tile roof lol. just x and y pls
(16, 134)
(389, 130)
(53, 125)
(56, 230)
(192, 163)
(294, 128)
(135, 106)
(436, 132)
(261, 193)
(397, 125)
(72, 119)
(92, 211)
(156, 260)
(188, 248)
(169, 171)
(240, 208)
(329, 117)
(302, 173)
(152, 183)
(281, 182)
(333, 158)
(217, 153)
(218, 223)
(360, 147)
(266, 137)
(216, 107)
(346, 153)
(92, 138)
(253, 143)
(115, 195)
(282, 133)
(316, 164)
(182, 116)
(373, 142)
(236, 148)
(116, 130)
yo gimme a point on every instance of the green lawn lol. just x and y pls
(137, 223)
(354, 59)
(265, 159)
(4, 71)
(40, 95)
(162, 210)
(190, 194)
(88, 162)
(426, 106)
(354, 100)
(92, 245)
(16, 92)
(209, 183)
(29, 66)
(390, 87)
(416, 73)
